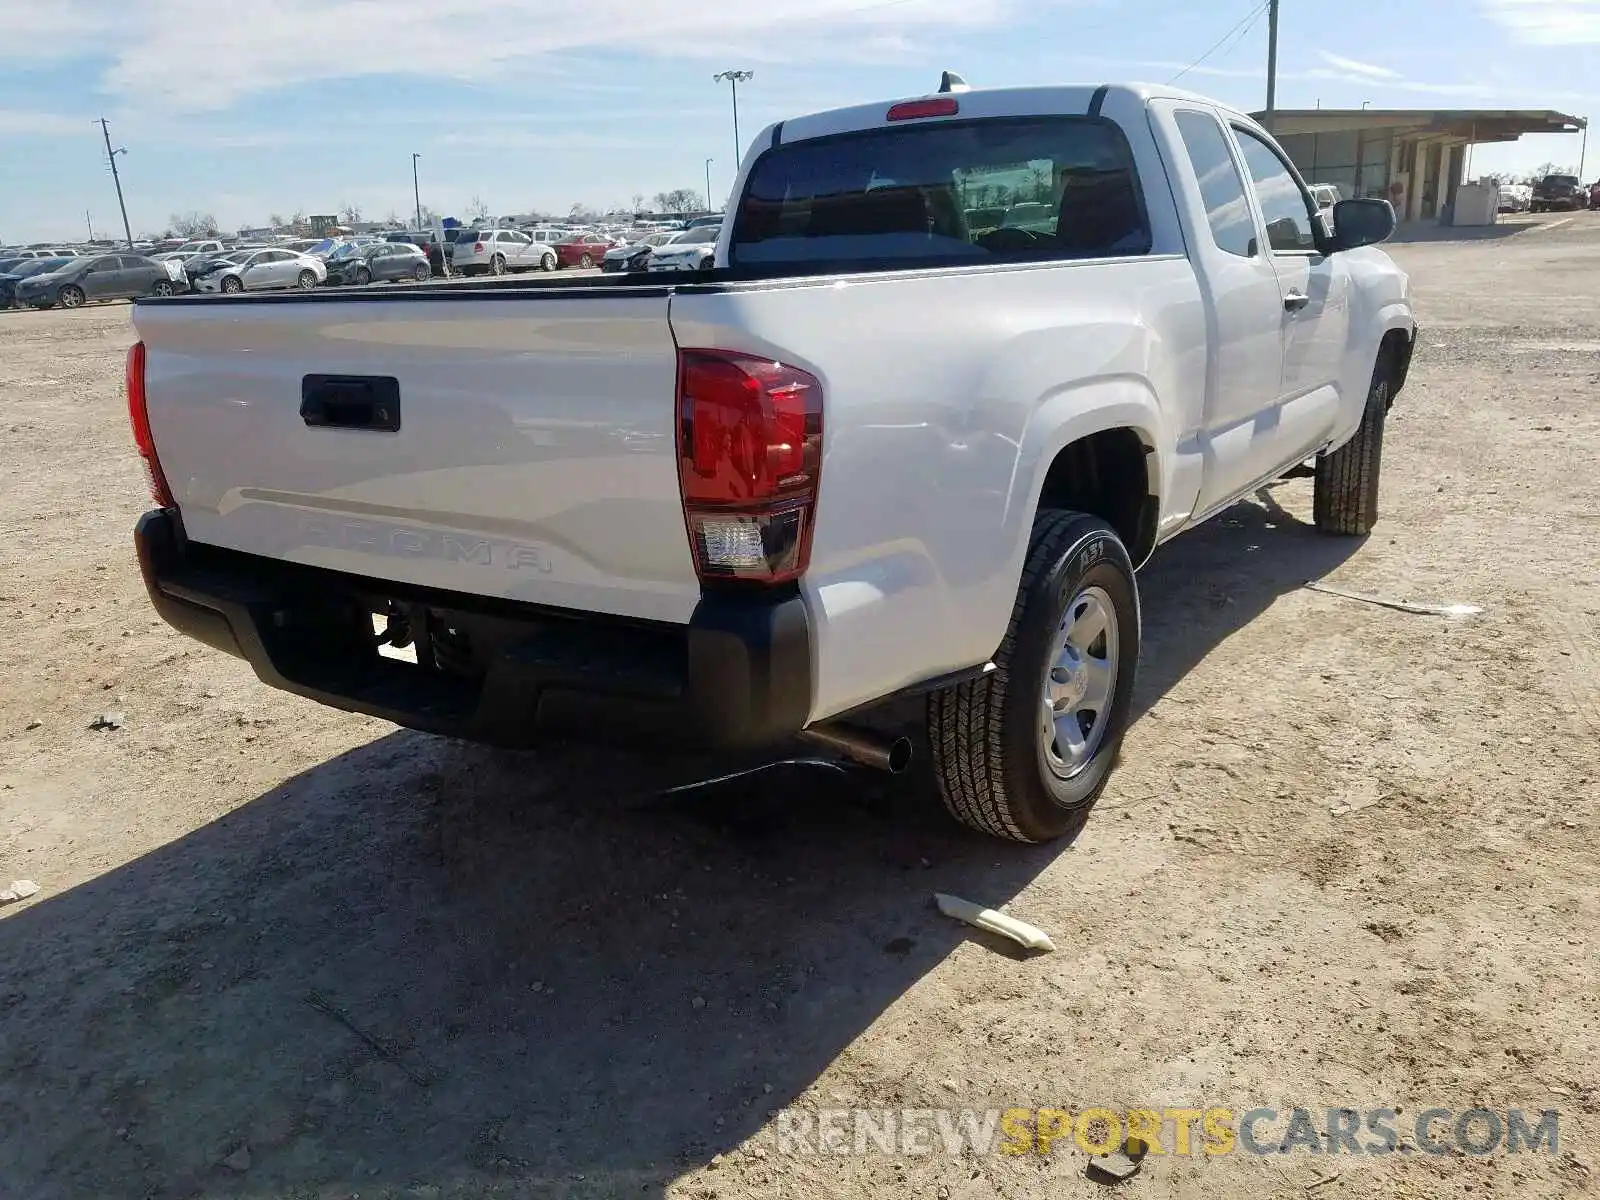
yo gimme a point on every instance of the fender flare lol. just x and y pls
(1073, 413)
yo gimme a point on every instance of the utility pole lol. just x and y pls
(111, 157)
(89, 221)
(734, 78)
(709, 206)
(1272, 62)
(1583, 150)
(416, 192)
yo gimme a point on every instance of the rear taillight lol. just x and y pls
(139, 418)
(749, 458)
(477, 247)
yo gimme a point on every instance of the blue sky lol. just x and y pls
(245, 108)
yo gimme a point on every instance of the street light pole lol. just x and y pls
(734, 78)
(111, 157)
(416, 192)
(709, 205)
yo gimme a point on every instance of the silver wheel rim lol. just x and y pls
(163, 289)
(308, 280)
(232, 285)
(498, 266)
(1079, 684)
(69, 298)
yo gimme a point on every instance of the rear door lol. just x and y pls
(139, 275)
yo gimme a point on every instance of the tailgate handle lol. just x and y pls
(351, 402)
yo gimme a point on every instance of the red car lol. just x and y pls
(583, 250)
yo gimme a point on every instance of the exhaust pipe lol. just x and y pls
(867, 747)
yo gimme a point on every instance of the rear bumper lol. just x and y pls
(738, 675)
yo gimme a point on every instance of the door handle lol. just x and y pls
(1295, 301)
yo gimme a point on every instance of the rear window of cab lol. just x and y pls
(945, 193)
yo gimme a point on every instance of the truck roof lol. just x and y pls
(990, 102)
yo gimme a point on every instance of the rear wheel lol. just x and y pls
(586, 261)
(1023, 752)
(70, 296)
(1346, 498)
(420, 272)
(308, 280)
(547, 263)
(497, 265)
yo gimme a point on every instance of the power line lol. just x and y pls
(1239, 30)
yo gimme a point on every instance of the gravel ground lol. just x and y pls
(1349, 859)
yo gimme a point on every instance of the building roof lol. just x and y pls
(1477, 125)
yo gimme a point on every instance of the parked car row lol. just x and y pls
(41, 278)
(70, 281)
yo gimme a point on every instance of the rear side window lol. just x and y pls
(1233, 226)
(951, 193)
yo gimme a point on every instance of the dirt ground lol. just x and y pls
(1349, 859)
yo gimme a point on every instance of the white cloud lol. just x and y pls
(1548, 22)
(1359, 68)
(1398, 84)
(194, 55)
(21, 123)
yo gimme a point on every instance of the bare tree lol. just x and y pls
(1550, 168)
(298, 219)
(193, 224)
(275, 220)
(680, 201)
(392, 218)
(638, 202)
(349, 212)
(429, 216)
(477, 210)
(583, 214)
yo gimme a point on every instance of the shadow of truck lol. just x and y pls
(467, 972)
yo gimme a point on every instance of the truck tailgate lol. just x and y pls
(534, 458)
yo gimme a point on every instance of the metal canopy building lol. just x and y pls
(1414, 158)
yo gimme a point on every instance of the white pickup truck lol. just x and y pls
(963, 361)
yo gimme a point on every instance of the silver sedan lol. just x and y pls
(259, 271)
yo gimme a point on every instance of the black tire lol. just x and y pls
(232, 285)
(162, 287)
(989, 752)
(421, 272)
(307, 280)
(363, 276)
(70, 296)
(1346, 497)
(586, 261)
(548, 263)
(497, 265)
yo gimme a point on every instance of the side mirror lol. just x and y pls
(1361, 223)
